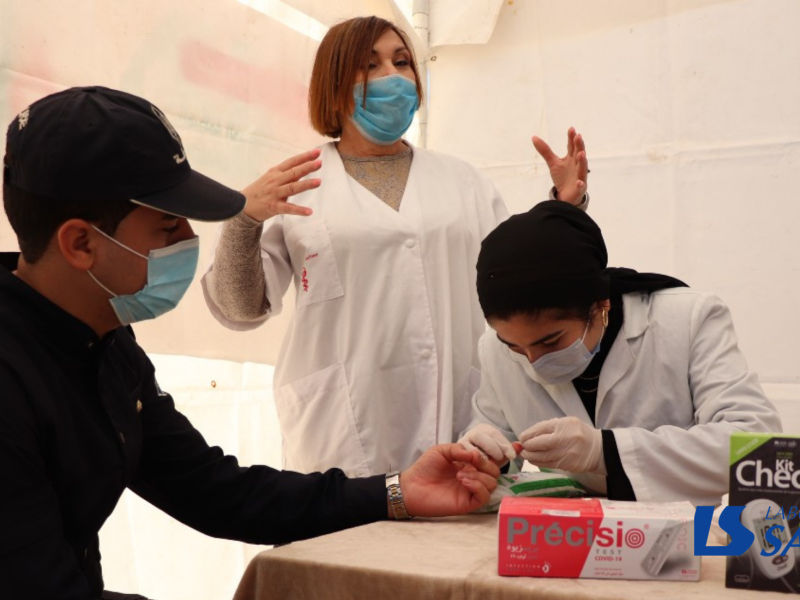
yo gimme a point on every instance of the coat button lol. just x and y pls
(410, 243)
(426, 354)
(138, 406)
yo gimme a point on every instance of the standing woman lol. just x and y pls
(632, 381)
(380, 361)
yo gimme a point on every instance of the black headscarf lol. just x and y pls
(553, 256)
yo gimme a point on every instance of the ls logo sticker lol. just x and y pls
(761, 522)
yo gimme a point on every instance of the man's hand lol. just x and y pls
(569, 173)
(269, 195)
(448, 480)
(566, 443)
(491, 442)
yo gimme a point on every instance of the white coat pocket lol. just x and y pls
(315, 270)
(318, 425)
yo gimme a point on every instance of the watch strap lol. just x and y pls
(394, 497)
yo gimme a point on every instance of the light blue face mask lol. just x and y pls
(566, 364)
(388, 109)
(170, 271)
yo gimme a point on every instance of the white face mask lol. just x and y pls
(563, 365)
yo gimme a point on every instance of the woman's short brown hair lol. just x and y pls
(343, 53)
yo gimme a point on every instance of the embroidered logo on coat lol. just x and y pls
(304, 278)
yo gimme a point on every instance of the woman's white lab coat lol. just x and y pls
(673, 388)
(380, 361)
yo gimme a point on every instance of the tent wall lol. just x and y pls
(690, 113)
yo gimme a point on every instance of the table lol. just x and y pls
(438, 559)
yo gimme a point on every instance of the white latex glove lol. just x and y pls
(489, 441)
(566, 443)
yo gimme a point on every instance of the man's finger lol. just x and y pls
(488, 466)
(484, 479)
(299, 159)
(544, 150)
(468, 445)
(458, 453)
(480, 493)
(491, 446)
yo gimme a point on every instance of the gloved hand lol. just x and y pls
(490, 442)
(566, 443)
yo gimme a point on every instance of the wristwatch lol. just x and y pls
(394, 497)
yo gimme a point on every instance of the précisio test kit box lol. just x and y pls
(597, 538)
(765, 480)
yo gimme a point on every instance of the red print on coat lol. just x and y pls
(304, 279)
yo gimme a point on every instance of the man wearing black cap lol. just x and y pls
(98, 189)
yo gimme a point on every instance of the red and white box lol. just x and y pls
(597, 538)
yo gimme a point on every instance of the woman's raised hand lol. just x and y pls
(569, 173)
(269, 195)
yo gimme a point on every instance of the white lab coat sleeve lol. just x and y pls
(672, 463)
(498, 211)
(486, 405)
(278, 273)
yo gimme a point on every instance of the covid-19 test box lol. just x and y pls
(597, 538)
(765, 486)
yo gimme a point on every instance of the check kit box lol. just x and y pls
(765, 490)
(597, 538)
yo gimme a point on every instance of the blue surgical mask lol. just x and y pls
(170, 271)
(566, 364)
(386, 113)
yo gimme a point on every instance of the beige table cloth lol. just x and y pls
(438, 559)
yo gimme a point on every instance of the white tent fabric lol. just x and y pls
(690, 110)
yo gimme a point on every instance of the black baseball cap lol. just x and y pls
(97, 143)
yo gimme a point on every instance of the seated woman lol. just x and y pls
(633, 379)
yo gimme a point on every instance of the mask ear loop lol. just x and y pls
(121, 245)
(97, 281)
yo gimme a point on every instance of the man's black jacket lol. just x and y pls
(82, 418)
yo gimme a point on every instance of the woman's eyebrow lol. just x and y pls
(397, 50)
(539, 341)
